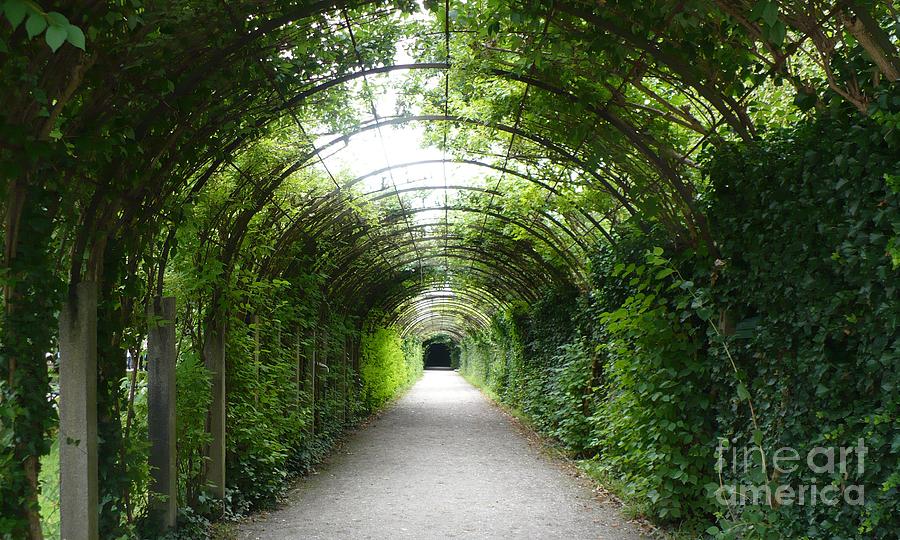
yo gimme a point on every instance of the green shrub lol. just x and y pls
(807, 220)
(192, 400)
(387, 366)
(653, 428)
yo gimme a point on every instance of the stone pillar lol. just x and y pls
(161, 410)
(78, 482)
(214, 356)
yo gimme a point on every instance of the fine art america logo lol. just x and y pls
(826, 463)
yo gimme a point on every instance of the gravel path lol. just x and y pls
(441, 463)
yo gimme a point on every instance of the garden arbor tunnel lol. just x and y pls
(423, 167)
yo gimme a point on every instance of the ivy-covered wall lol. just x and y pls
(788, 338)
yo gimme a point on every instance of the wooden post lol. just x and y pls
(298, 368)
(78, 481)
(161, 410)
(255, 323)
(214, 355)
(311, 361)
(345, 411)
(321, 386)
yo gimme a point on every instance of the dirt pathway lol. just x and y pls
(441, 463)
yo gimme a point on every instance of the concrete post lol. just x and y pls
(78, 482)
(214, 356)
(161, 410)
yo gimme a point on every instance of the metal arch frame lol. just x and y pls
(446, 312)
(543, 213)
(422, 308)
(511, 285)
(602, 113)
(576, 268)
(571, 263)
(349, 271)
(399, 250)
(303, 14)
(562, 252)
(483, 164)
(358, 250)
(507, 268)
(508, 257)
(563, 227)
(470, 314)
(439, 65)
(498, 265)
(493, 301)
(395, 287)
(422, 304)
(430, 331)
(400, 298)
(476, 294)
(535, 138)
(525, 290)
(495, 264)
(445, 321)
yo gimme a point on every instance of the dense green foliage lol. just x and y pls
(791, 341)
(388, 365)
(808, 220)
(184, 148)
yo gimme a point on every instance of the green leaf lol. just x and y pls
(777, 33)
(770, 13)
(75, 36)
(758, 437)
(58, 19)
(15, 12)
(742, 392)
(35, 25)
(665, 272)
(55, 37)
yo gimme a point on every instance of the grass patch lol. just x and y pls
(48, 499)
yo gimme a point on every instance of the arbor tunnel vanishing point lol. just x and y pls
(665, 233)
(437, 355)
